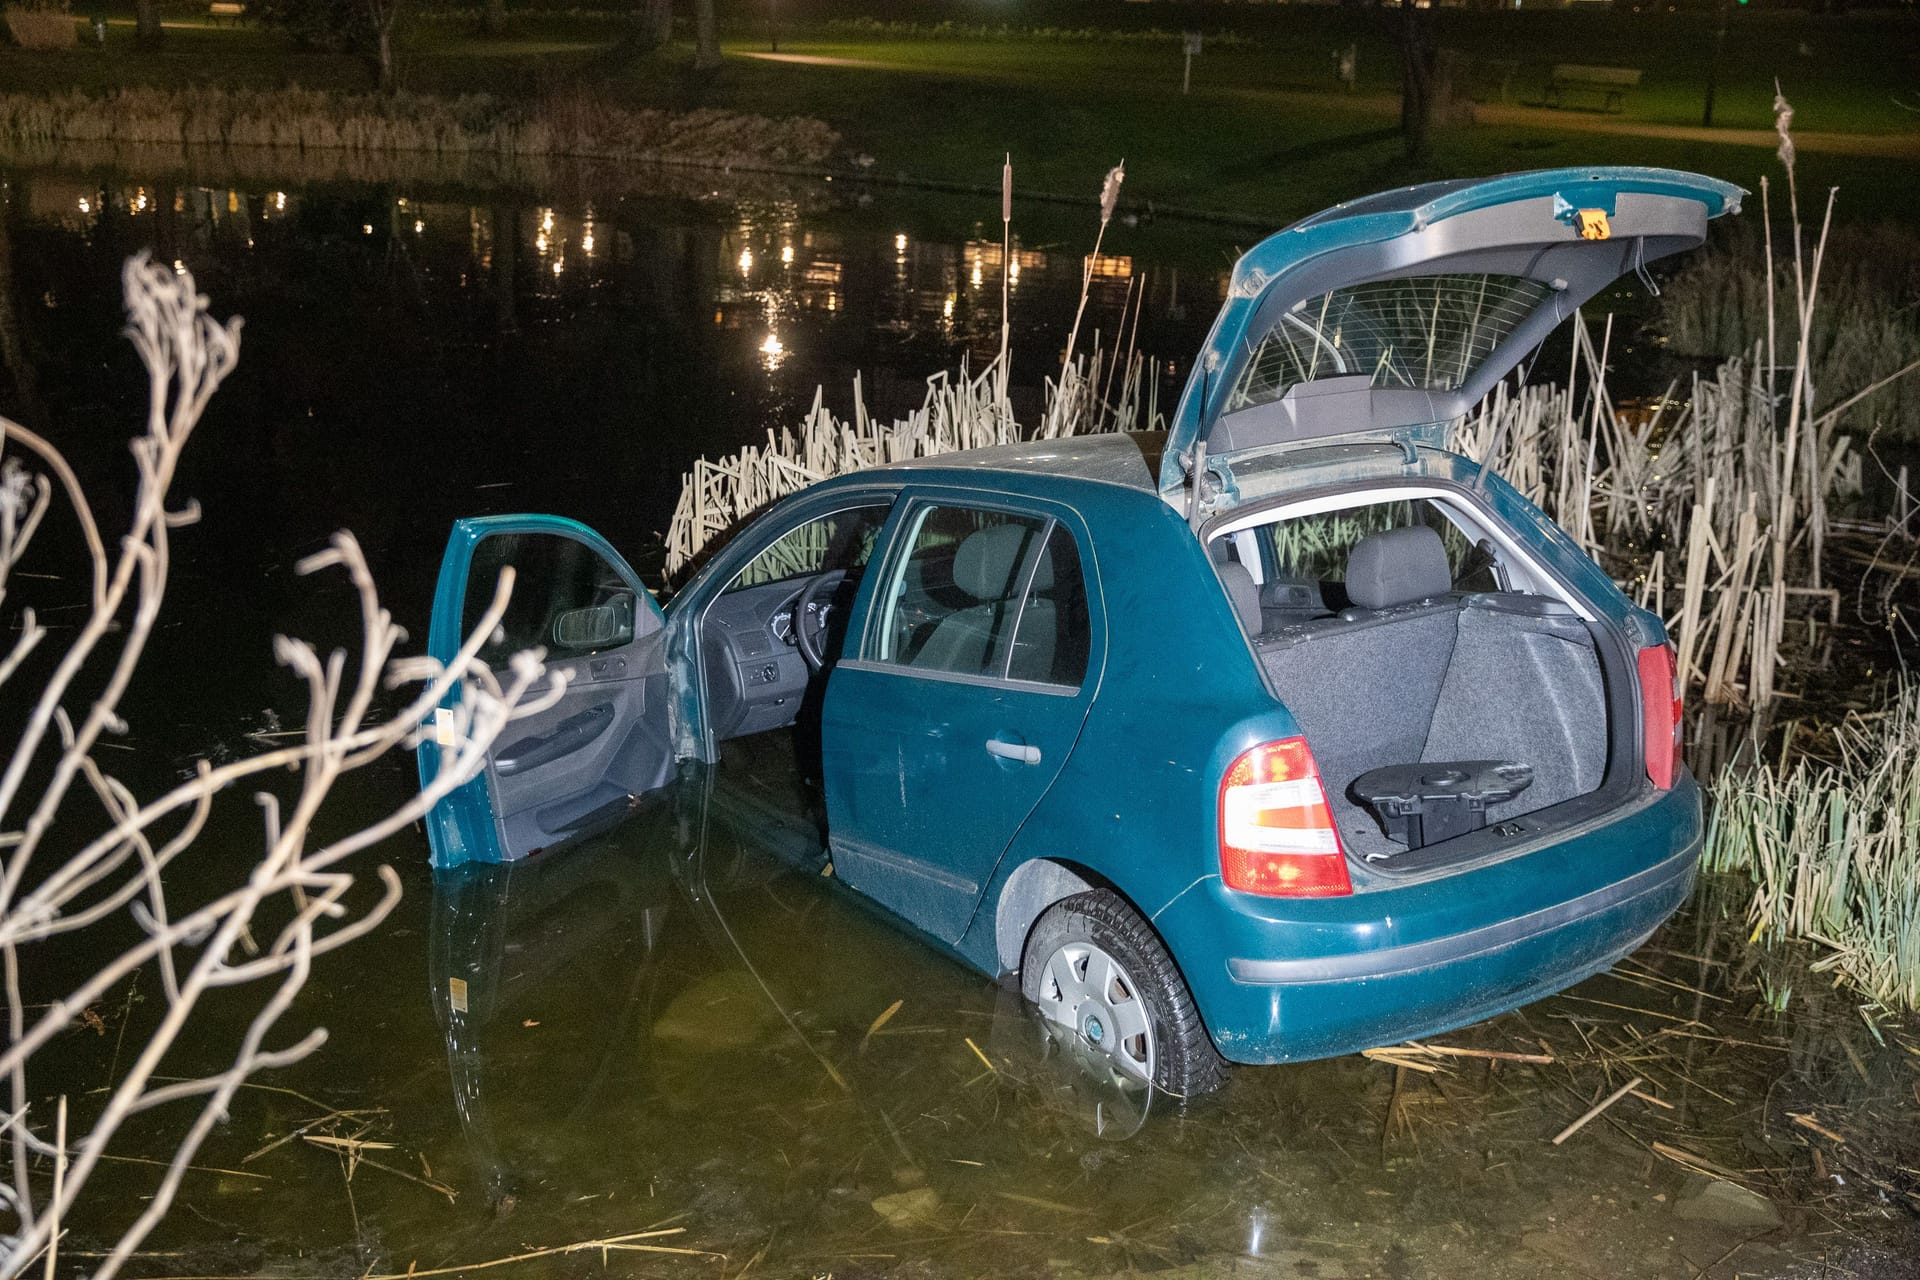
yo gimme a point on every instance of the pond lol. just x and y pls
(682, 1046)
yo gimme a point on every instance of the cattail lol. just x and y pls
(1006, 190)
(1110, 190)
(1783, 125)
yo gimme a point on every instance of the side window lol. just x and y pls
(841, 540)
(953, 603)
(1051, 640)
(566, 598)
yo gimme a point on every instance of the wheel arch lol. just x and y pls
(1034, 887)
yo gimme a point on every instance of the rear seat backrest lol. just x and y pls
(1396, 567)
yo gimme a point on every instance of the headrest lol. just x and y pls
(1245, 594)
(1398, 566)
(988, 562)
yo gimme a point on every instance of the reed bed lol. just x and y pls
(1833, 849)
(567, 125)
(1099, 391)
(1716, 507)
(1868, 326)
(35, 28)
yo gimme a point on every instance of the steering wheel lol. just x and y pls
(810, 610)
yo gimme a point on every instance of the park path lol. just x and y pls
(1891, 146)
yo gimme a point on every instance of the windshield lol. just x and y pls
(1427, 333)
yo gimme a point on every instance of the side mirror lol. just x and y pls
(596, 626)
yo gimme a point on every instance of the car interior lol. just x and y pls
(1425, 667)
(983, 593)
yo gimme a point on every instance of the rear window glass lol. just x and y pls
(1422, 332)
(1310, 552)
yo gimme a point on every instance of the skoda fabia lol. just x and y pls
(1280, 734)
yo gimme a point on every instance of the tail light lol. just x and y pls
(1277, 836)
(1660, 721)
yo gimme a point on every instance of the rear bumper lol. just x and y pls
(1378, 968)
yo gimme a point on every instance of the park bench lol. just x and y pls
(1611, 83)
(225, 9)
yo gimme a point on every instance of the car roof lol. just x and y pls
(1130, 459)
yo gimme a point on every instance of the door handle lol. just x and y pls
(1019, 751)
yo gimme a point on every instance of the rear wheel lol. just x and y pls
(1097, 973)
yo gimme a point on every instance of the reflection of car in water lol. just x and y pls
(638, 961)
(1282, 734)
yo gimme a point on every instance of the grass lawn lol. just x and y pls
(1265, 150)
(1265, 134)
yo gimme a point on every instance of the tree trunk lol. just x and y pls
(384, 55)
(146, 24)
(1713, 63)
(706, 50)
(659, 22)
(1416, 83)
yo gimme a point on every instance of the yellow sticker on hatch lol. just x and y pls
(1593, 224)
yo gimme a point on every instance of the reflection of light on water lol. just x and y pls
(86, 205)
(946, 308)
(772, 352)
(179, 267)
(366, 228)
(546, 220)
(900, 243)
(975, 278)
(1013, 268)
(540, 242)
(746, 262)
(586, 240)
(786, 255)
(559, 265)
(418, 226)
(279, 201)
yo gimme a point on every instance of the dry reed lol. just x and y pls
(41, 28)
(473, 124)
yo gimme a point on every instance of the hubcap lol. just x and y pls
(1089, 993)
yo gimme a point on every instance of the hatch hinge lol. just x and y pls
(1409, 455)
(1214, 490)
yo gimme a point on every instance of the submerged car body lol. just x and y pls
(1282, 735)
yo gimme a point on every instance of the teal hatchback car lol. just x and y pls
(1279, 735)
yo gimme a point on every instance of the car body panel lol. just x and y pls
(1304, 979)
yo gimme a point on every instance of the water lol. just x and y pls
(684, 1027)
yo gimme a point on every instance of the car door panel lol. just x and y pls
(574, 767)
(929, 773)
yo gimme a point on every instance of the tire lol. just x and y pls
(1144, 1022)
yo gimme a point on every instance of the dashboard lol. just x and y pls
(756, 678)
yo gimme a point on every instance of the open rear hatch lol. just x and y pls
(1387, 317)
(1457, 695)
